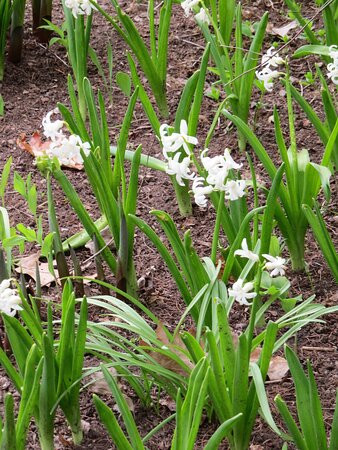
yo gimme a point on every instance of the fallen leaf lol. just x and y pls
(168, 403)
(99, 385)
(278, 368)
(283, 30)
(129, 403)
(85, 426)
(27, 266)
(255, 354)
(175, 346)
(37, 147)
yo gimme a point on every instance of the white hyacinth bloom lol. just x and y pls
(9, 299)
(179, 169)
(333, 67)
(52, 130)
(242, 292)
(267, 76)
(272, 58)
(200, 190)
(188, 5)
(80, 7)
(202, 17)
(246, 253)
(234, 189)
(67, 150)
(275, 264)
(218, 168)
(176, 140)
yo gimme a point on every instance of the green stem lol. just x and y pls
(217, 228)
(46, 441)
(16, 33)
(146, 161)
(45, 13)
(183, 198)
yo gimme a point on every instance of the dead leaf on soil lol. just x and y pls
(129, 403)
(175, 347)
(37, 147)
(168, 403)
(27, 265)
(278, 368)
(100, 386)
(283, 30)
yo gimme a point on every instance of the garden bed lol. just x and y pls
(33, 87)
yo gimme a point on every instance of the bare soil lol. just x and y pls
(33, 87)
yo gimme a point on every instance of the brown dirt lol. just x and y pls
(34, 86)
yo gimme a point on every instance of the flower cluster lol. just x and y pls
(267, 75)
(66, 149)
(80, 7)
(201, 17)
(9, 299)
(333, 67)
(216, 168)
(188, 6)
(241, 291)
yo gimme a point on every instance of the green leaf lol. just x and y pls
(108, 418)
(124, 82)
(323, 238)
(4, 176)
(133, 433)
(325, 175)
(305, 50)
(290, 423)
(305, 413)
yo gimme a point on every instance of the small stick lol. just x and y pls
(319, 349)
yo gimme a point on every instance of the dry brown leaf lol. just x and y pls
(100, 386)
(130, 404)
(278, 368)
(175, 347)
(27, 265)
(37, 147)
(283, 30)
(255, 354)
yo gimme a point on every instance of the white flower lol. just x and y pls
(176, 140)
(242, 292)
(52, 129)
(272, 58)
(9, 299)
(234, 189)
(277, 265)
(202, 17)
(180, 169)
(218, 168)
(200, 191)
(246, 253)
(333, 67)
(80, 7)
(67, 150)
(188, 5)
(267, 75)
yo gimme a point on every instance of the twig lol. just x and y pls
(319, 349)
